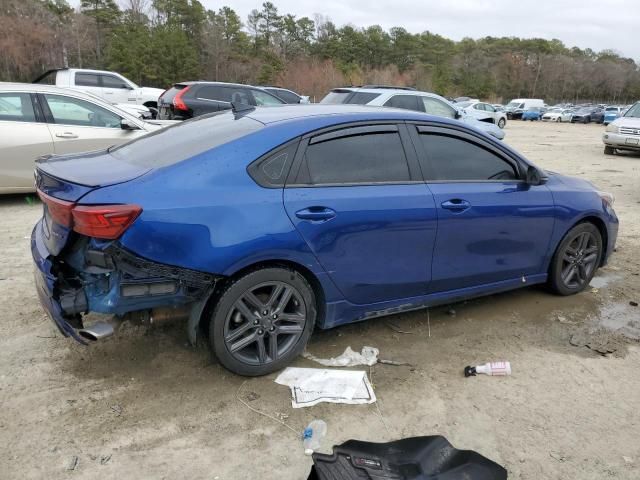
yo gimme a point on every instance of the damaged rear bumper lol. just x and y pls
(91, 275)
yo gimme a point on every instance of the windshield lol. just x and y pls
(513, 104)
(633, 112)
(611, 109)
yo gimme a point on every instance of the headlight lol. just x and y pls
(607, 197)
(611, 128)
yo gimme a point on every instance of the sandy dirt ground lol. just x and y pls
(146, 405)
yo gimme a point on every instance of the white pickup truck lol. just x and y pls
(109, 86)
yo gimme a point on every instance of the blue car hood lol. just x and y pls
(573, 182)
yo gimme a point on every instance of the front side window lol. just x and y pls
(16, 107)
(454, 159)
(365, 159)
(285, 95)
(73, 111)
(264, 98)
(407, 102)
(87, 80)
(436, 107)
(111, 81)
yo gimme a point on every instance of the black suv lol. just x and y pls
(191, 99)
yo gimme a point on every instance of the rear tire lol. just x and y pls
(262, 321)
(502, 122)
(576, 260)
(609, 150)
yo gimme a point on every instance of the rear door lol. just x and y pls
(359, 201)
(77, 125)
(23, 138)
(492, 226)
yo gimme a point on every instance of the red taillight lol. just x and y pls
(104, 221)
(178, 103)
(60, 210)
(99, 221)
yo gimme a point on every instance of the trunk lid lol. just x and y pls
(67, 179)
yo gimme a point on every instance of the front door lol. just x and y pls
(363, 209)
(492, 226)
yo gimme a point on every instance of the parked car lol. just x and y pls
(611, 113)
(533, 113)
(409, 99)
(286, 95)
(624, 132)
(484, 112)
(557, 115)
(281, 220)
(190, 99)
(587, 115)
(498, 106)
(516, 107)
(110, 86)
(38, 120)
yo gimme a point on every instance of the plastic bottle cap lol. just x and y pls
(308, 451)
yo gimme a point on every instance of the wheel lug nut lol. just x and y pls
(260, 332)
(255, 322)
(274, 316)
(272, 329)
(265, 312)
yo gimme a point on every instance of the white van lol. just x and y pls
(525, 103)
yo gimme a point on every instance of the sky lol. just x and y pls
(596, 24)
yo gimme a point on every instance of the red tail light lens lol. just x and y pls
(99, 221)
(178, 103)
(104, 221)
(60, 210)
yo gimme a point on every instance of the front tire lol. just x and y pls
(502, 122)
(576, 260)
(609, 150)
(262, 321)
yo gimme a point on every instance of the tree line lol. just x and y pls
(160, 42)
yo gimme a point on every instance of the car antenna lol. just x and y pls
(241, 108)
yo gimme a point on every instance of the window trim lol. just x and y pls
(460, 134)
(297, 173)
(256, 174)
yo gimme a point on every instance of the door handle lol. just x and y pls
(316, 214)
(66, 135)
(456, 205)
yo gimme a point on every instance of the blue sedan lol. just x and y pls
(258, 225)
(533, 113)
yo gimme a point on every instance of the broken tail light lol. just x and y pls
(99, 221)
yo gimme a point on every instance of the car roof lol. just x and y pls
(223, 84)
(267, 115)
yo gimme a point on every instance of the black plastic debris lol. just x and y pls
(418, 458)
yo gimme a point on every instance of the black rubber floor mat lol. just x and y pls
(418, 458)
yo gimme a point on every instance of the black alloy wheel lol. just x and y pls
(576, 259)
(263, 321)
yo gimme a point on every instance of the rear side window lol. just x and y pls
(87, 80)
(16, 107)
(455, 159)
(365, 159)
(361, 98)
(271, 171)
(408, 102)
(184, 140)
(225, 94)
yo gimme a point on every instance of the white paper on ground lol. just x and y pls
(349, 358)
(310, 386)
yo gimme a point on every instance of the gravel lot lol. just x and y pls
(146, 405)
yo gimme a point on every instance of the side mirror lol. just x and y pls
(535, 176)
(458, 115)
(128, 125)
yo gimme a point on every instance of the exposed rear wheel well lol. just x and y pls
(151, 104)
(305, 272)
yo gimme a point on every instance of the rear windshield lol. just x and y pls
(336, 97)
(167, 96)
(184, 140)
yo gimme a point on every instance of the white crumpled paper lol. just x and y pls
(368, 356)
(310, 386)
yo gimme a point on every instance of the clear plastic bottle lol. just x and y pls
(313, 435)
(491, 368)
